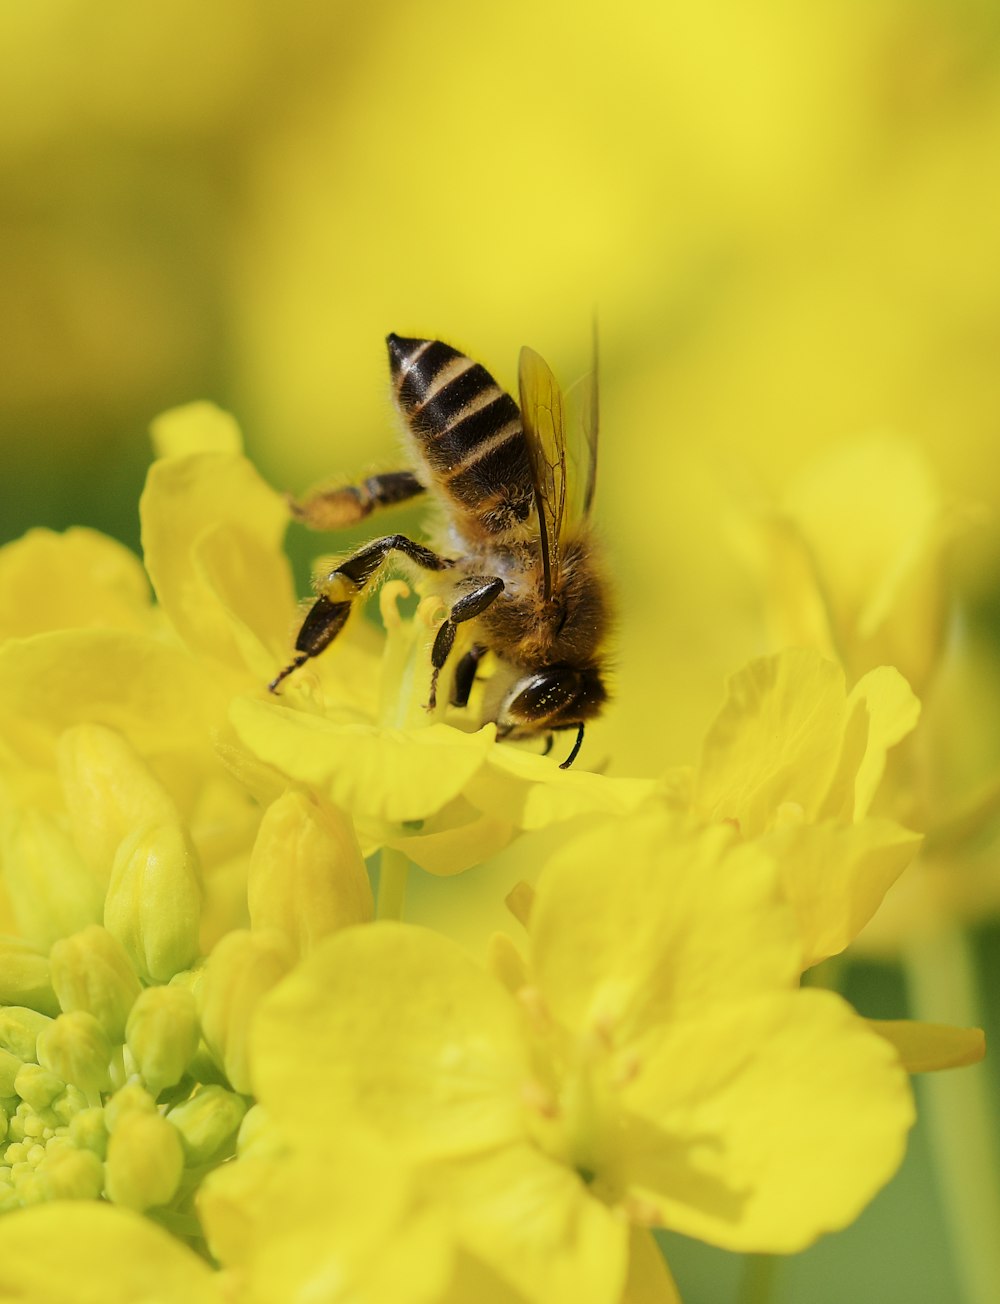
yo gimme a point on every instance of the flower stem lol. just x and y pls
(759, 1273)
(394, 869)
(959, 1119)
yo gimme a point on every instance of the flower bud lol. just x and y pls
(109, 792)
(91, 971)
(153, 904)
(208, 1122)
(52, 892)
(77, 1049)
(242, 968)
(24, 977)
(67, 1173)
(307, 875)
(88, 1131)
(133, 1098)
(162, 1035)
(145, 1161)
(37, 1087)
(19, 1029)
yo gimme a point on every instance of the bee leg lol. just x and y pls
(328, 614)
(465, 675)
(333, 509)
(549, 741)
(482, 590)
(564, 765)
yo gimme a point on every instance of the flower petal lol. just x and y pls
(386, 774)
(89, 1253)
(927, 1047)
(760, 1126)
(537, 1225)
(649, 1278)
(777, 740)
(641, 921)
(836, 875)
(397, 1027)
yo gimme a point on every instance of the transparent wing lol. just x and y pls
(544, 425)
(591, 428)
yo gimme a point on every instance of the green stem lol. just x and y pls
(759, 1274)
(394, 869)
(957, 1113)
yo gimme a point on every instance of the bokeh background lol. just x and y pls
(785, 215)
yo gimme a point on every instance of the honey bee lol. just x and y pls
(517, 552)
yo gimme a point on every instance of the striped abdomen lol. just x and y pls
(466, 430)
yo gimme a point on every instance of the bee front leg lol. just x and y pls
(481, 590)
(334, 509)
(328, 614)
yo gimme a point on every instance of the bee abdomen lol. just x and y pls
(467, 430)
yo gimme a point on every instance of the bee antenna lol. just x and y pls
(576, 749)
(300, 660)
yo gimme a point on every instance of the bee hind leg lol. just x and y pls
(480, 591)
(334, 509)
(328, 614)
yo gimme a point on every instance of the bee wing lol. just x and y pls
(584, 463)
(543, 420)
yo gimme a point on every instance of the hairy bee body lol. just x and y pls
(522, 572)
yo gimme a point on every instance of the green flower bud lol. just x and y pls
(162, 1035)
(37, 1086)
(88, 1131)
(145, 1161)
(307, 875)
(153, 905)
(242, 968)
(52, 892)
(258, 1135)
(207, 1123)
(91, 971)
(130, 1099)
(69, 1104)
(19, 1029)
(25, 977)
(77, 1049)
(70, 1174)
(109, 791)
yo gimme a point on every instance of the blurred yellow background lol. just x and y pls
(785, 216)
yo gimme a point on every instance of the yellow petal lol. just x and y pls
(211, 534)
(537, 1225)
(195, 428)
(104, 1255)
(531, 791)
(152, 692)
(776, 741)
(893, 711)
(449, 842)
(332, 1223)
(397, 1027)
(75, 580)
(761, 1126)
(388, 774)
(836, 875)
(649, 1278)
(927, 1047)
(640, 921)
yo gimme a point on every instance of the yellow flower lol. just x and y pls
(654, 1064)
(793, 761)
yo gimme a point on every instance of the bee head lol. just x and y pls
(557, 697)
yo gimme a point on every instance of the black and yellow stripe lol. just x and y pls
(466, 429)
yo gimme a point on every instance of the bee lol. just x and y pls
(517, 555)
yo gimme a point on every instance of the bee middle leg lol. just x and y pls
(328, 614)
(479, 592)
(334, 509)
(465, 675)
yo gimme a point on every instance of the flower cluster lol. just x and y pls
(209, 1020)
